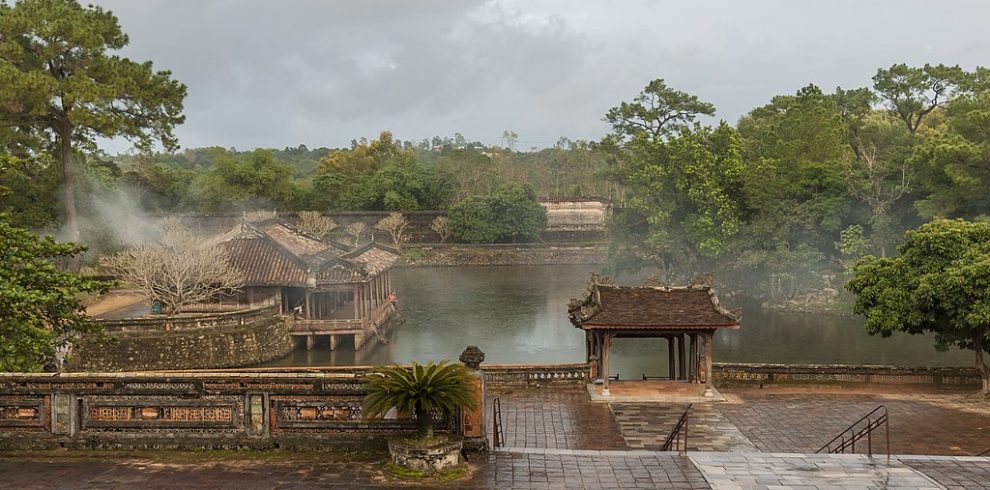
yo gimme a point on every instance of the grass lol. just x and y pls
(399, 472)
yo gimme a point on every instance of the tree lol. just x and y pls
(511, 213)
(510, 138)
(939, 283)
(395, 225)
(880, 171)
(656, 111)
(315, 224)
(253, 180)
(420, 390)
(954, 164)
(441, 226)
(60, 80)
(41, 313)
(910, 93)
(356, 229)
(179, 270)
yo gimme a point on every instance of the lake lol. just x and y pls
(518, 315)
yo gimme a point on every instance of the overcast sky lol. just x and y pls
(319, 73)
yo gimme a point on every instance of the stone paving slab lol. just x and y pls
(954, 473)
(647, 425)
(736, 471)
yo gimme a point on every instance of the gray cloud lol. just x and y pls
(265, 73)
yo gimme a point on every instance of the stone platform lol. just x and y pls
(653, 392)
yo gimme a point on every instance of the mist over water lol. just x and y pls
(518, 315)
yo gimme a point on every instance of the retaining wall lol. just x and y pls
(206, 341)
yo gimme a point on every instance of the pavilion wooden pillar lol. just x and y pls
(671, 359)
(356, 295)
(681, 359)
(605, 355)
(695, 359)
(709, 382)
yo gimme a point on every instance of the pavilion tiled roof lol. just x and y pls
(276, 254)
(651, 307)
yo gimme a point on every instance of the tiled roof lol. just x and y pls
(275, 254)
(652, 308)
(263, 263)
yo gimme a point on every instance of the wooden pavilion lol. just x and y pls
(323, 287)
(686, 316)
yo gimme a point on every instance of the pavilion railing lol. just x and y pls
(860, 429)
(498, 438)
(678, 434)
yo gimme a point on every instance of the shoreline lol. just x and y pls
(494, 255)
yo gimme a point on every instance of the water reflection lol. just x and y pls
(518, 315)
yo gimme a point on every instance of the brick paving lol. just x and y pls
(120, 471)
(918, 424)
(557, 419)
(647, 425)
(568, 469)
(953, 473)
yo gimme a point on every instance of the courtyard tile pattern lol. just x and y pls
(588, 470)
(803, 423)
(953, 473)
(557, 419)
(647, 425)
(809, 471)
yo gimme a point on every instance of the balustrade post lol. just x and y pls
(473, 424)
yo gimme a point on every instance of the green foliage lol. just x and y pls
(954, 164)
(656, 111)
(420, 390)
(511, 213)
(28, 189)
(940, 283)
(40, 310)
(912, 93)
(249, 183)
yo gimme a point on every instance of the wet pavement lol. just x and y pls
(559, 418)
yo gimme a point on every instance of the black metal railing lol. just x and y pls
(860, 429)
(677, 440)
(985, 453)
(498, 438)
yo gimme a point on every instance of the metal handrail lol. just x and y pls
(498, 438)
(984, 453)
(680, 429)
(847, 438)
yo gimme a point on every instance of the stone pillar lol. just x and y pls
(310, 342)
(605, 355)
(334, 341)
(474, 425)
(671, 366)
(709, 381)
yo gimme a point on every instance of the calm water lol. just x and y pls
(518, 315)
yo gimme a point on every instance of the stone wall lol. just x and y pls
(213, 410)
(535, 376)
(229, 340)
(766, 374)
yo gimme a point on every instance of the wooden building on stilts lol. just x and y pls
(323, 288)
(687, 317)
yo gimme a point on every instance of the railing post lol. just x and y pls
(473, 423)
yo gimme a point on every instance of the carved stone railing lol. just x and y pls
(190, 410)
(531, 376)
(738, 373)
(190, 322)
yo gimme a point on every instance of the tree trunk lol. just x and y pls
(981, 365)
(424, 424)
(69, 193)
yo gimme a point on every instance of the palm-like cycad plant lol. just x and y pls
(443, 387)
